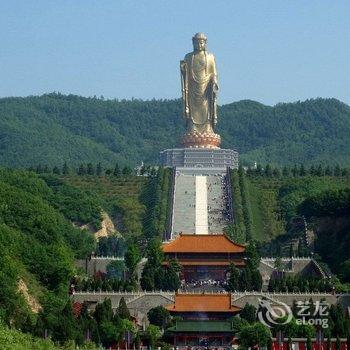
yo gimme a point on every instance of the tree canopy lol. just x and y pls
(54, 128)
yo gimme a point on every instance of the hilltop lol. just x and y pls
(54, 128)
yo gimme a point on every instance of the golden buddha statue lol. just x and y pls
(199, 95)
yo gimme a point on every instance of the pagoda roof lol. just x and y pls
(194, 243)
(201, 326)
(202, 303)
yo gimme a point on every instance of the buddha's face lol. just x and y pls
(199, 44)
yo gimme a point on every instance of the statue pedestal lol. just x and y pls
(195, 139)
(216, 159)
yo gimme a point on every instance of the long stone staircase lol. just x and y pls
(200, 203)
(216, 203)
(184, 211)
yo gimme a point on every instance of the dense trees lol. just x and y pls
(247, 278)
(138, 203)
(251, 333)
(38, 246)
(156, 199)
(50, 237)
(233, 279)
(274, 201)
(254, 335)
(132, 257)
(119, 197)
(237, 230)
(154, 275)
(39, 243)
(333, 203)
(295, 284)
(248, 313)
(241, 230)
(108, 327)
(159, 316)
(111, 246)
(55, 128)
(255, 207)
(107, 283)
(329, 211)
(11, 339)
(301, 170)
(345, 271)
(79, 206)
(247, 214)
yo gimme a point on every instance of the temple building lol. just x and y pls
(204, 306)
(204, 257)
(206, 320)
(201, 333)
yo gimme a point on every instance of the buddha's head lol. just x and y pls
(199, 41)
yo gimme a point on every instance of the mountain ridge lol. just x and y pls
(54, 128)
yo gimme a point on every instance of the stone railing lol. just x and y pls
(287, 259)
(324, 275)
(102, 292)
(107, 257)
(239, 294)
(229, 193)
(197, 292)
(170, 213)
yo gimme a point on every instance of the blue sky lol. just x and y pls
(268, 51)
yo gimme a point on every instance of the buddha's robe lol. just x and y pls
(200, 79)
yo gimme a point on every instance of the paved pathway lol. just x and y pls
(201, 206)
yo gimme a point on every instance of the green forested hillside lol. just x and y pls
(137, 204)
(314, 131)
(55, 128)
(39, 243)
(295, 212)
(38, 247)
(329, 213)
(12, 339)
(265, 201)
